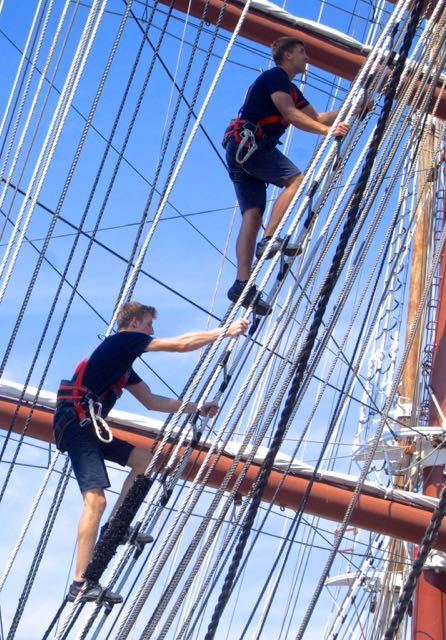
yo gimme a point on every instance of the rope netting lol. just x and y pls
(106, 152)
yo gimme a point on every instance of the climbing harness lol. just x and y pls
(88, 405)
(250, 135)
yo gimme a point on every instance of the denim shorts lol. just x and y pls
(86, 452)
(267, 165)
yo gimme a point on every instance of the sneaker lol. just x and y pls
(289, 251)
(92, 593)
(262, 308)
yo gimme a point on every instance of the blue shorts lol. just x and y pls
(86, 452)
(267, 165)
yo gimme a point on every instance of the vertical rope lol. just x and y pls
(318, 317)
(417, 567)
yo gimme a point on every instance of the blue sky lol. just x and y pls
(187, 258)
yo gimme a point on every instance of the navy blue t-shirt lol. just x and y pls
(258, 103)
(111, 360)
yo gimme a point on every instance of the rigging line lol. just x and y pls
(96, 130)
(53, 135)
(19, 70)
(128, 225)
(21, 85)
(170, 177)
(180, 91)
(95, 311)
(309, 342)
(132, 278)
(417, 567)
(300, 511)
(92, 238)
(40, 548)
(167, 137)
(220, 37)
(30, 517)
(33, 107)
(86, 234)
(41, 255)
(378, 434)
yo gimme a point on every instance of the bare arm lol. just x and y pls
(307, 119)
(141, 391)
(196, 339)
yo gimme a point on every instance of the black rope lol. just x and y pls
(46, 635)
(170, 130)
(41, 546)
(310, 340)
(115, 532)
(417, 567)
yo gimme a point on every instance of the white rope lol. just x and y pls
(52, 138)
(28, 520)
(36, 95)
(23, 59)
(134, 274)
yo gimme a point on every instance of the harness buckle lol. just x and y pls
(247, 145)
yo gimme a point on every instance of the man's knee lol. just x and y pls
(95, 501)
(295, 181)
(139, 460)
(252, 218)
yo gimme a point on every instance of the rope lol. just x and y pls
(51, 139)
(20, 67)
(28, 521)
(62, 280)
(133, 276)
(312, 334)
(167, 138)
(41, 546)
(25, 94)
(417, 567)
(37, 117)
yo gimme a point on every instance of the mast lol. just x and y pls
(430, 596)
(328, 49)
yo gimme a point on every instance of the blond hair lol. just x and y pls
(280, 46)
(133, 311)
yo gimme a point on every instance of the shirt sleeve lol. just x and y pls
(133, 378)
(301, 102)
(277, 80)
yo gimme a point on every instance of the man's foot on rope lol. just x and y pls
(237, 290)
(289, 251)
(141, 538)
(92, 592)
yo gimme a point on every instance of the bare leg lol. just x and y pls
(246, 241)
(94, 505)
(138, 462)
(282, 203)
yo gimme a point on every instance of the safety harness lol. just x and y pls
(88, 405)
(249, 134)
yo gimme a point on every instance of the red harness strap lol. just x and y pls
(238, 123)
(76, 392)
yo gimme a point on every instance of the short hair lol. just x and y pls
(133, 311)
(280, 46)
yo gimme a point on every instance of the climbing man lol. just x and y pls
(80, 429)
(272, 103)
